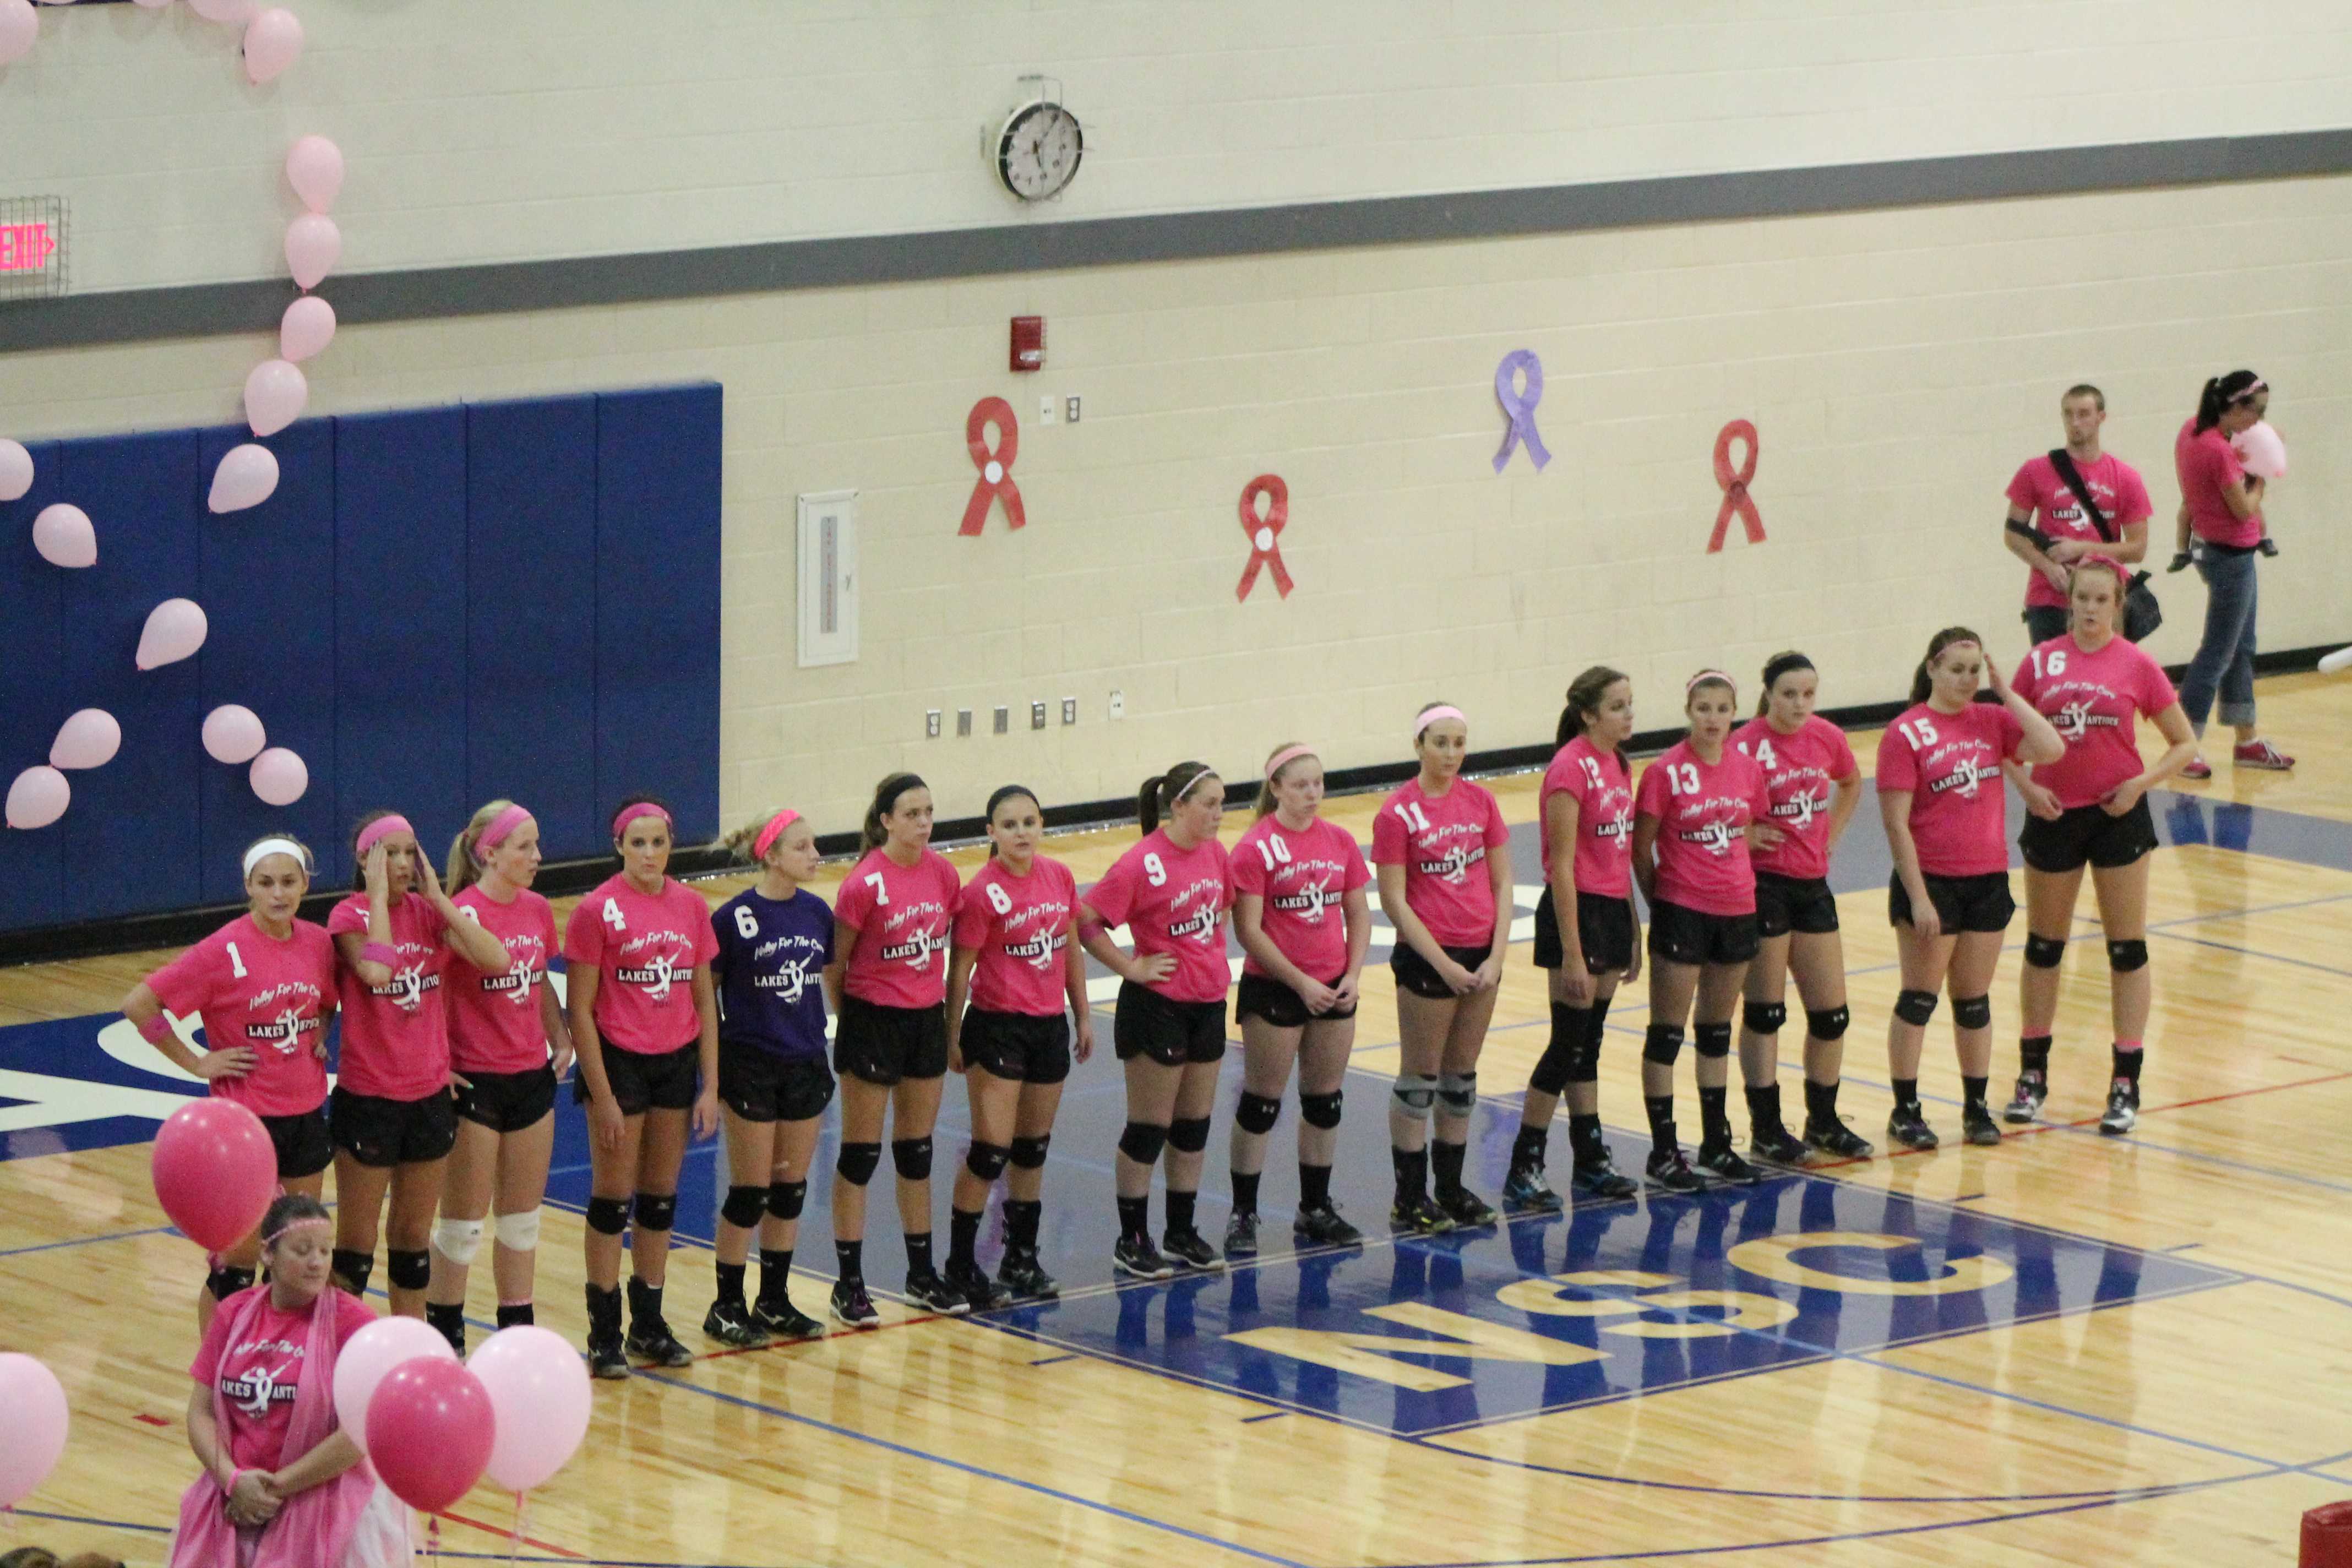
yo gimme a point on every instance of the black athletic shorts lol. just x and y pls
(1784, 904)
(507, 1101)
(1413, 973)
(648, 1080)
(1962, 903)
(304, 1146)
(1170, 1032)
(1022, 1047)
(2086, 833)
(1263, 996)
(881, 1045)
(1604, 926)
(759, 1085)
(1682, 935)
(380, 1134)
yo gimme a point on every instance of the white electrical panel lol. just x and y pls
(828, 558)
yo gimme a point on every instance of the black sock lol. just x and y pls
(1021, 1223)
(851, 1256)
(1445, 1163)
(963, 1235)
(1906, 1092)
(1713, 1115)
(1314, 1186)
(1411, 1175)
(1972, 1089)
(1584, 1138)
(1135, 1219)
(645, 1303)
(1246, 1192)
(1180, 1211)
(1821, 1102)
(2034, 1053)
(1528, 1149)
(775, 1274)
(516, 1315)
(450, 1319)
(1764, 1106)
(2128, 1064)
(919, 1252)
(1661, 1108)
(730, 1284)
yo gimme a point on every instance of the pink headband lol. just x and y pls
(1442, 710)
(1704, 676)
(769, 834)
(1283, 758)
(493, 835)
(2107, 563)
(629, 814)
(380, 829)
(293, 1225)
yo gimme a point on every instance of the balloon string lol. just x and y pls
(514, 1543)
(432, 1536)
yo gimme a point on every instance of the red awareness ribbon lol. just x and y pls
(995, 466)
(1736, 498)
(1264, 534)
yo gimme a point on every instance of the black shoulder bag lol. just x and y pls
(2142, 614)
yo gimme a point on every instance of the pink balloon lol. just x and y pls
(248, 476)
(175, 628)
(279, 776)
(313, 246)
(34, 1435)
(306, 328)
(38, 796)
(273, 40)
(88, 739)
(539, 1392)
(20, 28)
(215, 1172)
(2262, 451)
(16, 470)
(275, 396)
(314, 168)
(368, 1356)
(227, 11)
(430, 1429)
(234, 735)
(63, 535)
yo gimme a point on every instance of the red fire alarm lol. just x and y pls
(1028, 343)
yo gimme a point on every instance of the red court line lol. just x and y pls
(510, 1535)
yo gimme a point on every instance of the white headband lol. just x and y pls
(269, 847)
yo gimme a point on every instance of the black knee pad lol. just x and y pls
(608, 1217)
(1712, 1041)
(857, 1162)
(912, 1156)
(1915, 1006)
(352, 1269)
(1256, 1112)
(2044, 952)
(986, 1160)
(1662, 1043)
(226, 1282)
(656, 1211)
(1189, 1135)
(2123, 957)
(1827, 1022)
(1764, 1017)
(1584, 1060)
(1972, 1011)
(1029, 1153)
(1551, 1070)
(785, 1199)
(1319, 1109)
(406, 1270)
(1141, 1142)
(744, 1205)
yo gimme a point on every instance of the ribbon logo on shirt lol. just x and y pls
(1736, 499)
(1520, 406)
(1263, 536)
(995, 466)
(408, 988)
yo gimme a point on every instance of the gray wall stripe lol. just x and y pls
(137, 315)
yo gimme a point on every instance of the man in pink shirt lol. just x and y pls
(2046, 527)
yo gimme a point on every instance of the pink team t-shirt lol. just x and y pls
(1020, 926)
(1950, 764)
(258, 1376)
(644, 948)
(271, 996)
(395, 1035)
(2050, 504)
(1602, 784)
(2206, 466)
(1442, 842)
(1303, 878)
(494, 1019)
(2090, 699)
(1799, 769)
(1172, 900)
(902, 914)
(1703, 811)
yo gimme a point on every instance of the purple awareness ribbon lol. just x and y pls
(1521, 409)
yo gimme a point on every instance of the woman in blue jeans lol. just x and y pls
(2220, 506)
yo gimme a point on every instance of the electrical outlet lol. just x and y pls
(1072, 411)
(1118, 704)
(1037, 715)
(1045, 409)
(963, 722)
(1004, 721)
(1069, 709)
(931, 723)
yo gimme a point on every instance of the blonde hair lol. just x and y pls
(740, 842)
(462, 870)
(1265, 801)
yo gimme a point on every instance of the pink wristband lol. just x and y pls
(155, 1030)
(380, 953)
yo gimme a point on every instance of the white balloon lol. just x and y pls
(38, 797)
(279, 776)
(88, 739)
(248, 476)
(233, 734)
(16, 470)
(63, 536)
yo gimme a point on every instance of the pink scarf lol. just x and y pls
(314, 1527)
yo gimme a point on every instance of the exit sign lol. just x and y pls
(32, 247)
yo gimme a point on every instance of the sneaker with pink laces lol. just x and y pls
(2197, 768)
(2261, 755)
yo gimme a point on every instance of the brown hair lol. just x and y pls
(1779, 665)
(1161, 792)
(1583, 702)
(2238, 387)
(1705, 678)
(1922, 683)
(359, 862)
(2085, 389)
(463, 871)
(1265, 801)
(1002, 794)
(871, 833)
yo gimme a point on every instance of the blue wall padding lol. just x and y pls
(31, 701)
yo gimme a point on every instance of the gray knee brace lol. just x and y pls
(1459, 1092)
(1416, 1094)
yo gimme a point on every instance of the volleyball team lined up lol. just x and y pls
(678, 1016)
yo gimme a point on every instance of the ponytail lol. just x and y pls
(1159, 793)
(1922, 683)
(1583, 703)
(1779, 665)
(2221, 392)
(872, 834)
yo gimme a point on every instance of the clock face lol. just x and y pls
(1039, 151)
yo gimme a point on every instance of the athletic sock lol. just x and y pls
(1180, 1211)
(2128, 1057)
(963, 1235)
(1021, 1220)
(1245, 1191)
(516, 1315)
(1764, 1106)
(1135, 1219)
(1906, 1092)
(1445, 1162)
(1314, 1186)
(1714, 1115)
(1584, 1138)
(2034, 1054)
(1528, 1149)
(1411, 1173)
(851, 1256)
(1821, 1102)
(730, 1284)
(919, 1252)
(775, 1274)
(1972, 1089)
(1661, 1108)
(449, 1320)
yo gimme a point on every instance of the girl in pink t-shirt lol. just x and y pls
(1939, 766)
(1304, 920)
(1698, 813)
(2220, 510)
(1588, 935)
(1018, 962)
(508, 1044)
(1170, 890)
(392, 1113)
(891, 920)
(2089, 807)
(1443, 856)
(265, 987)
(645, 1034)
(1813, 782)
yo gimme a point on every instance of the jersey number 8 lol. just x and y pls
(999, 900)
